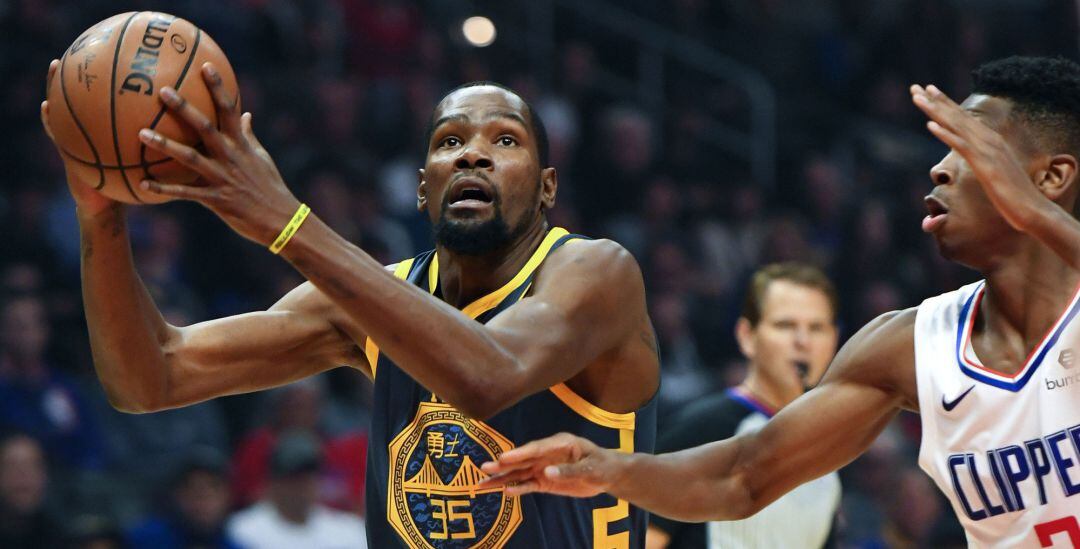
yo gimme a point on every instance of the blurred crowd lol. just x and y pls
(341, 91)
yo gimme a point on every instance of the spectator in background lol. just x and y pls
(197, 506)
(145, 449)
(298, 407)
(37, 399)
(94, 531)
(24, 523)
(788, 334)
(158, 244)
(613, 181)
(290, 515)
(685, 377)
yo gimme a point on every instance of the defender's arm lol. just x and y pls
(870, 380)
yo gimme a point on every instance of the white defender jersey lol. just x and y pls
(1004, 448)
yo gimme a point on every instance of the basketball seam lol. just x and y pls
(112, 105)
(161, 112)
(104, 166)
(78, 124)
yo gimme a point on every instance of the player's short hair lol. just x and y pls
(1045, 93)
(538, 129)
(791, 271)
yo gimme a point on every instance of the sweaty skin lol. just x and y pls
(1006, 216)
(584, 321)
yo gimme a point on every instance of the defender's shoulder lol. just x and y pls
(886, 336)
(881, 354)
(893, 323)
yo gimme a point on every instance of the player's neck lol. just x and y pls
(1026, 293)
(466, 278)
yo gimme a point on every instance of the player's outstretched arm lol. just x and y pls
(869, 381)
(145, 364)
(581, 306)
(1026, 206)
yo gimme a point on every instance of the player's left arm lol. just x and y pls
(587, 299)
(1027, 206)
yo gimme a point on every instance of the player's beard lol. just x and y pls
(468, 237)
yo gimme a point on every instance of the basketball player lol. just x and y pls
(990, 367)
(788, 334)
(509, 330)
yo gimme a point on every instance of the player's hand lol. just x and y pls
(990, 157)
(563, 464)
(88, 201)
(239, 181)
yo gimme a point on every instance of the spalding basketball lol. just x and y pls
(106, 90)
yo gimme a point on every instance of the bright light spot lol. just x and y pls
(479, 31)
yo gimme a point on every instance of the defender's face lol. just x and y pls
(796, 337)
(482, 160)
(964, 223)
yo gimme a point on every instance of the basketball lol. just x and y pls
(106, 90)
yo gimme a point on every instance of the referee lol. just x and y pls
(788, 334)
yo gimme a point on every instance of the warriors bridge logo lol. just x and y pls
(433, 501)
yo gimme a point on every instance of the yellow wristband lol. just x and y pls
(290, 229)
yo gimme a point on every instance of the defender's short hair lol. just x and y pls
(1045, 93)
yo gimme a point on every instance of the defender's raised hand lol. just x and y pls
(562, 464)
(1023, 187)
(239, 181)
(1001, 174)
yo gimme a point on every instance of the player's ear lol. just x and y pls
(1059, 177)
(744, 336)
(549, 185)
(421, 191)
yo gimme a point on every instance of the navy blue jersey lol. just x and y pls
(424, 456)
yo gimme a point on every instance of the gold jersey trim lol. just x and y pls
(371, 349)
(488, 302)
(480, 306)
(604, 516)
(572, 400)
(592, 412)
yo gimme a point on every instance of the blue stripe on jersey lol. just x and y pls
(967, 315)
(749, 402)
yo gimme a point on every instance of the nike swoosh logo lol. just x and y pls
(950, 405)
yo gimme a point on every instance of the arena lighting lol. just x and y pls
(479, 31)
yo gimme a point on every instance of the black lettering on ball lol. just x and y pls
(138, 83)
